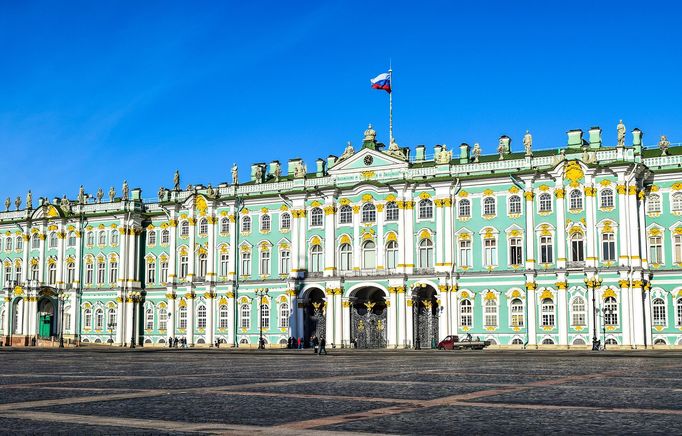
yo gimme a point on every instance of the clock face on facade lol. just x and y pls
(368, 160)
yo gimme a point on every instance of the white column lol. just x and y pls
(530, 227)
(192, 252)
(231, 317)
(391, 324)
(623, 258)
(295, 244)
(338, 318)
(210, 319)
(60, 259)
(329, 239)
(331, 314)
(409, 235)
(409, 331)
(402, 238)
(120, 320)
(559, 193)
(173, 249)
(346, 322)
(128, 320)
(563, 316)
(356, 239)
(591, 239)
(190, 320)
(440, 236)
(381, 252)
(625, 315)
(172, 314)
(400, 303)
(8, 316)
(531, 306)
(211, 255)
(448, 232)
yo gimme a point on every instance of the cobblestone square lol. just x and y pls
(160, 391)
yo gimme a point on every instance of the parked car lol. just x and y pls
(453, 342)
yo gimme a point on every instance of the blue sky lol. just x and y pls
(96, 92)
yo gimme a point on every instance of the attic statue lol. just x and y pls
(162, 193)
(29, 200)
(621, 133)
(395, 150)
(258, 174)
(501, 149)
(100, 195)
(348, 152)
(112, 194)
(17, 202)
(278, 172)
(477, 152)
(235, 175)
(300, 170)
(528, 143)
(444, 156)
(124, 191)
(663, 144)
(176, 180)
(81, 195)
(8, 203)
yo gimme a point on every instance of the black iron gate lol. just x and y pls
(316, 323)
(425, 322)
(368, 329)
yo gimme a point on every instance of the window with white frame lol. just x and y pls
(8, 244)
(102, 238)
(608, 247)
(546, 249)
(182, 317)
(515, 251)
(245, 316)
(35, 272)
(345, 257)
(111, 319)
(316, 259)
(606, 198)
(51, 273)
(265, 223)
(369, 255)
(163, 318)
(489, 252)
(20, 243)
(164, 272)
(99, 319)
(369, 213)
(284, 315)
(202, 264)
(151, 237)
(316, 217)
(346, 215)
(545, 202)
(491, 313)
(285, 221)
(265, 316)
(547, 311)
(184, 266)
(265, 262)
(466, 313)
(52, 240)
(677, 248)
(184, 229)
(656, 249)
(35, 241)
(114, 237)
(87, 318)
(246, 263)
(224, 264)
(489, 206)
(425, 253)
(659, 311)
(101, 271)
(517, 314)
(224, 226)
(391, 211)
(679, 312)
(201, 316)
(203, 226)
(90, 238)
(246, 224)
(113, 271)
(577, 247)
(71, 240)
(465, 258)
(165, 236)
(70, 272)
(17, 273)
(578, 312)
(149, 319)
(223, 316)
(285, 262)
(89, 272)
(610, 311)
(575, 200)
(515, 205)
(677, 202)
(391, 255)
(464, 208)
(654, 203)
(425, 209)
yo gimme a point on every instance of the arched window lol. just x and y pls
(101, 271)
(369, 213)
(345, 215)
(610, 311)
(224, 226)
(35, 271)
(245, 317)
(517, 341)
(70, 272)
(203, 264)
(491, 313)
(679, 312)
(369, 255)
(265, 316)
(577, 247)
(246, 224)
(489, 206)
(89, 272)
(90, 238)
(35, 241)
(151, 237)
(71, 240)
(165, 236)
(608, 247)
(316, 259)
(224, 264)
(391, 211)
(547, 311)
(114, 237)
(52, 241)
(345, 257)
(201, 316)
(606, 198)
(659, 311)
(51, 273)
(265, 262)
(547, 341)
(677, 202)
(284, 315)
(517, 314)
(316, 217)
(285, 221)
(391, 255)
(575, 200)
(163, 319)
(425, 253)
(149, 319)
(246, 263)
(514, 205)
(654, 203)
(545, 202)
(265, 223)
(182, 317)
(223, 314)
(111, 319)
(425, 209)
(99, 319)
(578, 312)
(102, 238)
(464, 208)
(20, 243)
(466, 313)
(184, 228)
(8, 244)
(203, 226)
(87, 318)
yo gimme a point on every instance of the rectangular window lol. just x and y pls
(163, 319)
(113, 273)
(246, 264)
(656, 249)
(608, 247)
(489, 252)
(151, 272)
(224, 264)
(546, 250)
(89, 272)
(515, 251)
(265, 263)
(164, 272)
(101, 273)
(677, 249)
(184, 266)
(465, 253)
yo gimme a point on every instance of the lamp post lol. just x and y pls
(415, 316)
(62, 297)
(594, 283)
(134, 297)
(261, 293)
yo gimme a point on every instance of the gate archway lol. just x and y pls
(314, 315)
(425, 314)
(46, 318)
(368, 318)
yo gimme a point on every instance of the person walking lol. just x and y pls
(300, 343)
(323, 346)
(315, 342)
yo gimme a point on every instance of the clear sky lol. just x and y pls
(95, 92)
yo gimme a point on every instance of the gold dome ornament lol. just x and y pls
(370, 134)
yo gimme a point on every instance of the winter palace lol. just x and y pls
(382, 246)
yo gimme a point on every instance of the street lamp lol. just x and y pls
(415, 303)
(134, 297)
(594, 283)
(261, 293)
(62, 296)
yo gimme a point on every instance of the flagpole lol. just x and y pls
(390, 109)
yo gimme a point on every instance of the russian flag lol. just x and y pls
(382, 81)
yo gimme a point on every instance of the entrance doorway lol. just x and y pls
(425, 313)
(315, 315)
(368, 318)
(46, 318)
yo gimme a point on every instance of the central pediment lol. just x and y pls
(368, 159)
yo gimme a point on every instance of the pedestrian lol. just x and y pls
(323, 344)
(300, 343)
(316, 343)
(170, 342)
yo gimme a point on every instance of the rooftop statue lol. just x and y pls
(528, 143)
(348, 152)
(258, 174)
(300, 170)
(176, 180)
(370, 134)
(210, 191)
(8, 203)
(664, 144)
(278, 172)
(100, 195)
(124, 191)
(395, 150)
(621, 133)
(66, 204)
(501, 149)
(81, 195)
(477, 152)
(17, 202)
(112, 194)
(162, 193)
(235, 176)
(444, 156)
(29, 200)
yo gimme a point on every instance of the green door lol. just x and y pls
(45, 328)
